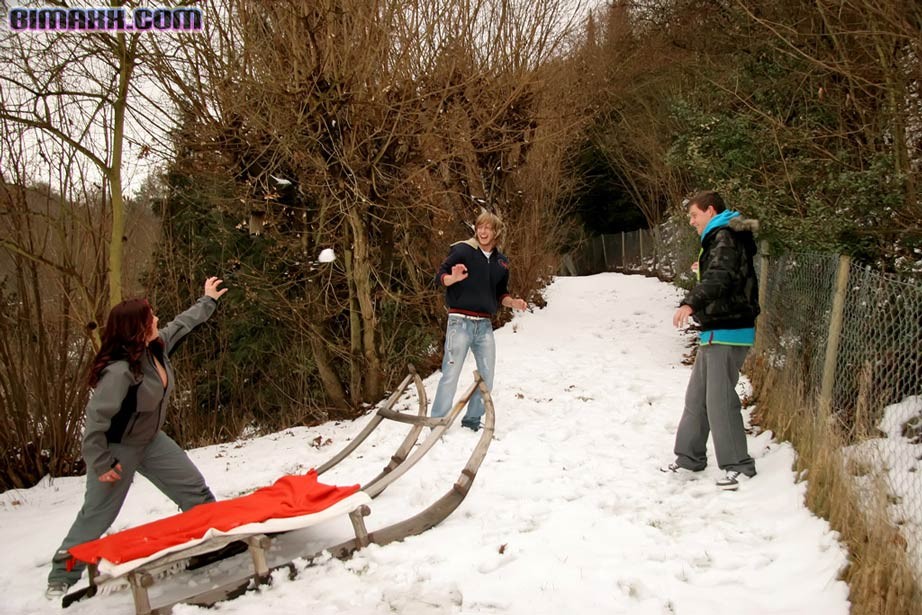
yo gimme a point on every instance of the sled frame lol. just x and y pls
(402, 460)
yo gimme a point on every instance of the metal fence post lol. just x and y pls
(835, 331)
(623, 257)
(763, 294)
(604, 253)
(640, 239)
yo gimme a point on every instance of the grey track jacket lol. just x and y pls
(130, 410)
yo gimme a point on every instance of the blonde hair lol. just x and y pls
(493, 220)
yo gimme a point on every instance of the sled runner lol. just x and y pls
(267, 522)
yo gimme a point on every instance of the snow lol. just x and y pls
(893, 465)
(568, 513)
(327, 255)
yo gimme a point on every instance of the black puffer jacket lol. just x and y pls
(727, 294)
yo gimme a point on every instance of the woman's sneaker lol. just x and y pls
(56, 590)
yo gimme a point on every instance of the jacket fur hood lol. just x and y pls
(741, 223)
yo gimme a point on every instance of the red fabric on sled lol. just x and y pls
(289, 496)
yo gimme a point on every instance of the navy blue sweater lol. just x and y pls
(487, 280)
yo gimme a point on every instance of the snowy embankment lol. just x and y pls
(893, 461)
(568, 514)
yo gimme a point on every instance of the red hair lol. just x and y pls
(124, 338)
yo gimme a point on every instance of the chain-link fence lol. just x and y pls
(853, 338)
(666, 251)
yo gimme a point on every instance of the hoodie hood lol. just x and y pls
(719, 221)
(732, 219)
(472, 242)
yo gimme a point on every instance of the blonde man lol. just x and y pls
(475, 276)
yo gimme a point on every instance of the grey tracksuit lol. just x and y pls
(725, 303)
(124, 418)
(711, 404)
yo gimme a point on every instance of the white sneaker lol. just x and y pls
(674, 468)
(680, 473)
(56, 590)
(731, 481)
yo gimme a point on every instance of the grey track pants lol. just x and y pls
(162, 462)
(712, 405)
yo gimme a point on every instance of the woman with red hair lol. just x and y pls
(132, 380)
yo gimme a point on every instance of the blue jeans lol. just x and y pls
(463, 334)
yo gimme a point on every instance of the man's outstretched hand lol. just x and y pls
(458, 273)
(681, 316)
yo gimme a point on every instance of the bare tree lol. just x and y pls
(52, 287)
(75, 90)
(380, 129)
(64, 113)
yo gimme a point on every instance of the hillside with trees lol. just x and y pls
(381, 131)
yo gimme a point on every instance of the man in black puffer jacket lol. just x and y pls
(725, 304)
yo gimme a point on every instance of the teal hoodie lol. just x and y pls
(727, 337)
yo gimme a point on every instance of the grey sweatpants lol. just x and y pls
(162, 462)
(712, 405)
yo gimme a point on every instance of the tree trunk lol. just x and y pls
(114, 172)
(331, 384)
(355, 337)
(363, 290)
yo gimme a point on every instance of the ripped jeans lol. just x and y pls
(463, 334)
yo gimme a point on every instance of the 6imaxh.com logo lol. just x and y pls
(105, 19)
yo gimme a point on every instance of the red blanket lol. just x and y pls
(290, 496)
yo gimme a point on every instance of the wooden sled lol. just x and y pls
(143, 574)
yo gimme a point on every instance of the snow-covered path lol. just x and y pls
(569, 512)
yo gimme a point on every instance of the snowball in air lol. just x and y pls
(327, 255)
